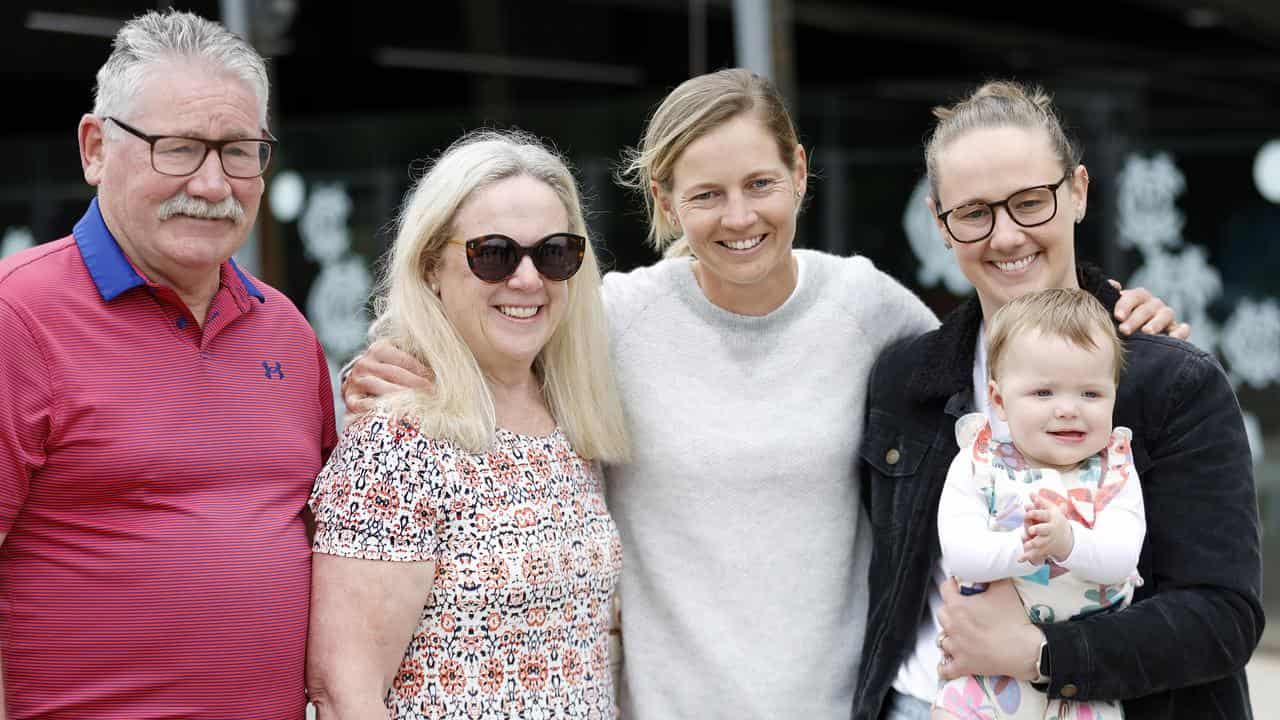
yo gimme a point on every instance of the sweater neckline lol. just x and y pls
(691, 294)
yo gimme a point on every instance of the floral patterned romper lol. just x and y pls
(527, 560)
(1007, 483)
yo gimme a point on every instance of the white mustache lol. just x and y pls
(184, 204)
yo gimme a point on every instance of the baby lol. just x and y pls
(1053, 502)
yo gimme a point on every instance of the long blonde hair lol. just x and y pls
(696, 107)
(575, 366)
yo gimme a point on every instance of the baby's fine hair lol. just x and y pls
(1073, 315)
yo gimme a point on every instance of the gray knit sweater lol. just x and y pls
(745, 549)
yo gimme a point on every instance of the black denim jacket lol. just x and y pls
(1180, 650)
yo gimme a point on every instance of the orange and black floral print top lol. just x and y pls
(527, 559)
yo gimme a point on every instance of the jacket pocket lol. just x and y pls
(892, 456)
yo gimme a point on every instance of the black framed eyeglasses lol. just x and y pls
(180, 156)
(494, 258)
(1029, 207)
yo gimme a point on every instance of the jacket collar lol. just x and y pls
(947, 366)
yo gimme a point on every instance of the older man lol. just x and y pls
(162, 412)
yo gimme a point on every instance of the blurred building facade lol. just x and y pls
(1177, 104)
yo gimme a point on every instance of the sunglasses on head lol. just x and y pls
(494, 258)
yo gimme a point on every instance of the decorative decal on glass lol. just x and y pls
(1149, 221)
(340, 290)
(16, 239)
(937, 267)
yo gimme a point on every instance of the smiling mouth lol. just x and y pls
(1013, 266)
(519, 312)
(743, 244)
(1069, 435)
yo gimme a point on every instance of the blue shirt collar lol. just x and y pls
(110, 269)
(249, 287)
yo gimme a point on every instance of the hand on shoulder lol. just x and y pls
(381, 370)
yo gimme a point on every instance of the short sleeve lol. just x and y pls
(328, 415)
(380, 493)
(25, 424)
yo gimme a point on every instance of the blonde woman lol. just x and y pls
(464, 558)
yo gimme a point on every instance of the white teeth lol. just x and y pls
(1015, 265)
(746, 244)
(518, 311)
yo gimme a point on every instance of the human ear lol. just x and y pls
(431, 270)
(662, 199)
(1080, 191)
(942, 226)
(996, 399)
(800, 171)
(90, 135)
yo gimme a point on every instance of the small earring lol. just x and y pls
(799, 193)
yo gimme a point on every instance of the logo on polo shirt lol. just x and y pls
(273, 371)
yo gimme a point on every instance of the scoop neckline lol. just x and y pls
(555, 432)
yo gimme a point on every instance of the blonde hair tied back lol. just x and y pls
(996, 104)
(694, 108)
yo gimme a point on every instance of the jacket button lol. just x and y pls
(1068, 691)
(893, 456)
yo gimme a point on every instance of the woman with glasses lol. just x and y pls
(464, 559)
(1008, 187)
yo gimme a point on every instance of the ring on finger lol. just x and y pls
(941, 638)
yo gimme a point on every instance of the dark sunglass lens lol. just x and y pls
(494, 259)
(559, 257)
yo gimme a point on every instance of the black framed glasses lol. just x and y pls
(1029, 207)
(180, 156)
(494, 258)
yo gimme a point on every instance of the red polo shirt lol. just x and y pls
(152, 475)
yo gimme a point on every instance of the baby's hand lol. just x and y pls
(1049, 534)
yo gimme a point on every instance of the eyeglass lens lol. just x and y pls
(970, 223)
(494, 258)
(183, 156)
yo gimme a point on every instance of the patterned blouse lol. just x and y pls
(527, 560)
